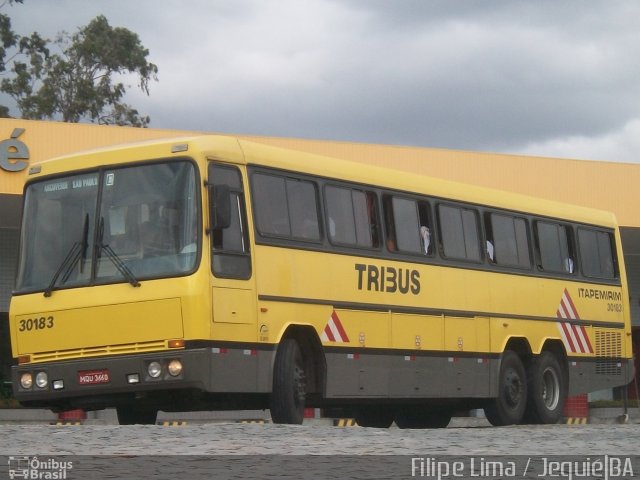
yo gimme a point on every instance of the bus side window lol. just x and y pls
(352, 217)
(597, 255)
(507, 240)
(229, 244)
(554, 243)
(408, 225)
(459, 233)
(285, 207)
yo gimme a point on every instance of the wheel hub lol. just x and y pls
(513, 388)
(550, 389)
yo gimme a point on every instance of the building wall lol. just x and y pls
(631, 247)
(10, 206)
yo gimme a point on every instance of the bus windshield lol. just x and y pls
(108, 226)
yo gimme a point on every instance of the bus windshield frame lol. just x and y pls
(110, 225)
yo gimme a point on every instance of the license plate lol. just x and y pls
(93, 377)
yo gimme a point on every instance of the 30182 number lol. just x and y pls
(29, 324)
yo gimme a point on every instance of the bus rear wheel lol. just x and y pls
(417, 416)
(547, 390)
(128, 415)
(289, 384)
(509, 406)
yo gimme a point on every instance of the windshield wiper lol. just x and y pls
(115, 259)
(78, 251)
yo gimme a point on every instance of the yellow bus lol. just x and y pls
(213, 273)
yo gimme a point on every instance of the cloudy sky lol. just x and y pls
(539, 77)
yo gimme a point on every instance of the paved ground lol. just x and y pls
(262, 439)
(313, 450)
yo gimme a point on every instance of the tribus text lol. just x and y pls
(388, 279)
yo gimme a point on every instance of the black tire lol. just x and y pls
(416, 416)
(375, 416)
(289, 384)
(128, 415)
(509, 406)
(547, 390)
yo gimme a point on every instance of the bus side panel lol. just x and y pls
(407, 375)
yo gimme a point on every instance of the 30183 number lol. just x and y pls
(614, 307)
(40, 323)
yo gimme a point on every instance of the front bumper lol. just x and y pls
(112, 376)
(208, 369)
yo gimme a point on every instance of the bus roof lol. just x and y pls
(256, 153)
(233, 149)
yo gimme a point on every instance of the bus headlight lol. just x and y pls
(175, 368)
(26, 381)
(42, 379)
(154, 369)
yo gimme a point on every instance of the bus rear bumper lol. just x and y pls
(592, 374)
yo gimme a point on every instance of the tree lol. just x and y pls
(85, 81)
(15, 48)
(8, 38)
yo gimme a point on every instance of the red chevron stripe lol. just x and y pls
(338, 325)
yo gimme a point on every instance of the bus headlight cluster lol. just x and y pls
(172, 367)
(27, 380)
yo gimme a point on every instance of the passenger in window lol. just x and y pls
(568, 265)
(425, 234)
(332, 228)
(389, 224)
(490, 251)
(373, 219)
(391, 244)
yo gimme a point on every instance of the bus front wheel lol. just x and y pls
(289, 384)
(509, 406)
(547, 390)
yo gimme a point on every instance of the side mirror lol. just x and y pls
(219, 207)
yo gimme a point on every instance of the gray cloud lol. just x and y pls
(490, 75)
